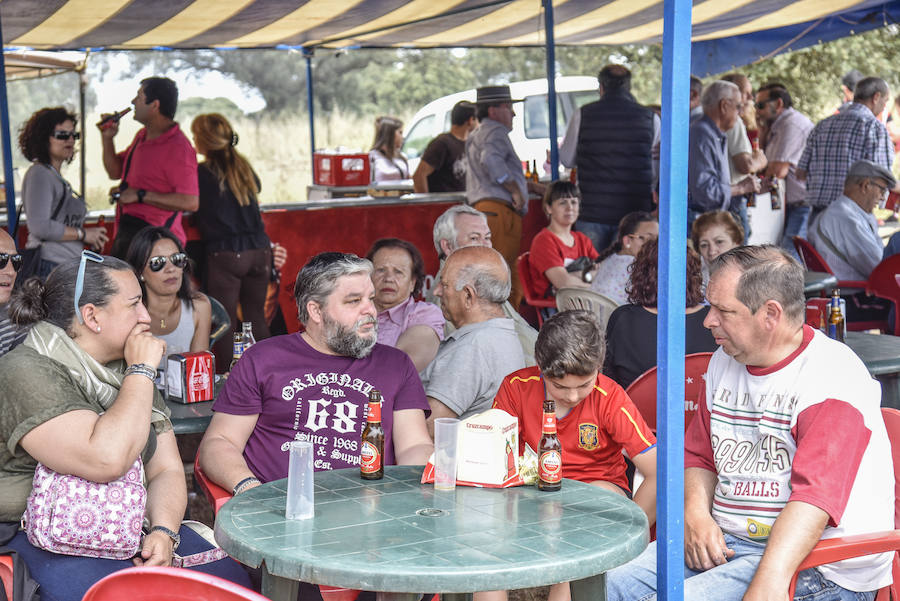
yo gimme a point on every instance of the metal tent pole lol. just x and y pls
(308, 54)
(672, 260)
(11, 217)
(551, 88)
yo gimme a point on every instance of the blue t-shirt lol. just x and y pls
(302, 394)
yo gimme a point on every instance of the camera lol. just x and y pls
(114, 197)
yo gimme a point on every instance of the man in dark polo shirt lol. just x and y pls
(443, 164)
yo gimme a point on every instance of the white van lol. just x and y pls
(531, 125)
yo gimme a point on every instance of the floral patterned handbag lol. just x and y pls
(73, 516)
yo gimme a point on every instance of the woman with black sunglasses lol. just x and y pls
(179, 314)
(55, 212)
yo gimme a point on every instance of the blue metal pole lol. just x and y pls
(11, 221)
(308, 54)
(551, 88)
(672, 259)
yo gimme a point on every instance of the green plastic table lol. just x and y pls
(192, 418)
(881, 354)
(401, 538)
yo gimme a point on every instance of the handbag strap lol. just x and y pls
(59, 206)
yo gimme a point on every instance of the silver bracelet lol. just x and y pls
(142, 369)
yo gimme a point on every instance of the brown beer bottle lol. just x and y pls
(549, 451)
(836, 318)
(238, 350)
(371, 453)
(535, 176)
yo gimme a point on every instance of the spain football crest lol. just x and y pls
(587, 437)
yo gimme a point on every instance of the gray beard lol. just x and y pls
(345, 341)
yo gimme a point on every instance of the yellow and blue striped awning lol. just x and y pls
(146, 24)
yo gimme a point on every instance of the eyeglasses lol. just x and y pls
(65, 135)
(762, 103)
(16, 259)
(86, 256)
(884, 192)
(179, 260)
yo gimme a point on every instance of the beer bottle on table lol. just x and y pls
(371, 453)
(835, 317)
(549, 451)
(527, 171)
(238, 349)
(247, 333)
(535, 176)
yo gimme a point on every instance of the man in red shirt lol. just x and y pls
(595, 418)
(158, 170)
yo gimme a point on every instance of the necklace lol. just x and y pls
(172, 308)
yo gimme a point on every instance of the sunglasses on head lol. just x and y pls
(179, 260)
(86, 256)
(16, 259)
(65, 135)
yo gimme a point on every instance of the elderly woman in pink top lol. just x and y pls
(415, 327)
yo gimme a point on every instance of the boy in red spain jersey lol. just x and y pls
(595, 418)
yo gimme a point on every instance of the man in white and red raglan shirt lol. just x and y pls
(158, 170)
(789, 448)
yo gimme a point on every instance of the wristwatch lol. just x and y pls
(176, 538)
(141, 193)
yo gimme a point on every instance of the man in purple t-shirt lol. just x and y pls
(314, 386)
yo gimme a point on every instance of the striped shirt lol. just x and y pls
(836, 143)
(10, 335)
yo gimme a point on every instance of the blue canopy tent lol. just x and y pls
(724, 33)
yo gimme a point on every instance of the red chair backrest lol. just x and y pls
(811, 257)
(167, 584)
(643, 390)
(215, 494)
(883, 282)
(6, 574)
(892, 425)
(523, 266)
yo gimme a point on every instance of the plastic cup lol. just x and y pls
(445, 436)
(300, 482)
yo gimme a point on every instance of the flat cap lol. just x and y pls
(864, 168)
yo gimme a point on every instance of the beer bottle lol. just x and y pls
(535, 176)
(371, 453)
(549, 451)
(527, 171)
(775, 193)
(836, 318)
(238, 349)
(247, 333)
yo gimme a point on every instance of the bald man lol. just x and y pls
(472, 361)
(10, 262)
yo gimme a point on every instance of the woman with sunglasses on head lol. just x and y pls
(635, 230)
(78, 397)
(55, 212)
(239, 254)
(179, 315)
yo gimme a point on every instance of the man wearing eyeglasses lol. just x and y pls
(846, 235)
(10, 262)
(782, 133)
(158, 170)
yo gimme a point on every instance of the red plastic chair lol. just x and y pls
(643, 390)
(883, 282)
(6, 574)
(218, 496)
(167, 584)
(523, 266)
(814, 262)
(836, 549)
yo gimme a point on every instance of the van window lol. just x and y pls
(537, 118)
(536, 113)
(418, 137)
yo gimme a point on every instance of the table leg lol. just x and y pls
(456, 596)
(278, 588)
(890, 390)
(592, 588)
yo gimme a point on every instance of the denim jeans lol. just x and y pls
(796, 223)
(636, 580)
(601, 235)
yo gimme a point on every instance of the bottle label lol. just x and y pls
(832, 331)
(369, 458)
(548, 424)
(374, 413)
(238, 350)
(550, 467)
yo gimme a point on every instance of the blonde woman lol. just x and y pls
(238, 251)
